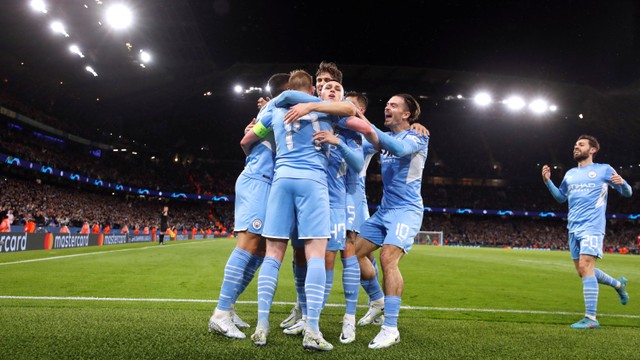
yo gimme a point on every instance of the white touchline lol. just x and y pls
(92, 253)
(420, 308)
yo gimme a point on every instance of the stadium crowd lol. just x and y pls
(116, 167)
(51, 205)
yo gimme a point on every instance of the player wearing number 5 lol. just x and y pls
(393, 227)
(585, 187)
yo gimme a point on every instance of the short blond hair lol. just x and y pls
(300, 80)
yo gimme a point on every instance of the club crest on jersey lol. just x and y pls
(592, 174)
(257, 224)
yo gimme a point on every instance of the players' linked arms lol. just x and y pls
(396, 147)
(341, 108)
(420, 130)
(296, 112)
(250, 126)
(262, 102)
(248, 140)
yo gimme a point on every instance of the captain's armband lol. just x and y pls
(261, 130)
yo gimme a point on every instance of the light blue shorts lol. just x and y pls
(338, 230)
(357, 209)
(297, 203)
(583, 243)
(397, 227)
(251, 204)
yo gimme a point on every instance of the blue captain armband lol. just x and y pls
(261, 130)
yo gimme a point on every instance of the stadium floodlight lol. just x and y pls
(514, 103)
(90, 69)
(459, 96)
(553, 108)
(581, 116)
(76, 50)
(119, 16)
(39, 5)
(145, 57)
(482, 99)
(539, 106)
(267, 88)
(237, 89)
(57, 27)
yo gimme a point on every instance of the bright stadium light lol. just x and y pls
(57, 27)
(119, 16)
(90, 69)
(39, 5)
(76, 50)
(482, 99)
(553, 108)
(145, 57)
(267, 88)
(237, 89)
(539, 106)
(514, 103)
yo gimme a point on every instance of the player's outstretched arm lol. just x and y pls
(353, 158)
(341, 108)
(621, 185)
(257, 132)
(396, 147)
(555, 192)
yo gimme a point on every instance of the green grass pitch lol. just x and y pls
(144, 301)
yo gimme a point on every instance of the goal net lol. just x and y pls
(429, 238)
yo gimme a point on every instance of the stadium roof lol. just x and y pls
(583, 55)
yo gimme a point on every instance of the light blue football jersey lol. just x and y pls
(402, 176)
(338, 170)
(296, 154)
(260, 161)
(586, 189)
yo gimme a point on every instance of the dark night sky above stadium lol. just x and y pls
(586, 42)
(205, 45)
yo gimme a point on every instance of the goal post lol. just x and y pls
(429, 238)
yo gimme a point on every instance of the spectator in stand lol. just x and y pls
(85, 228)
(30, 226)
(5, 225)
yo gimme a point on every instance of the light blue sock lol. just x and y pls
(300, 274)
(373, 289)
(267, 284)
(249, 273)
(372, 286)
(391, 310)
(327, 285)
(351, 283)
(590, 292)
(232, 282)
(314, 288)
(604, 278)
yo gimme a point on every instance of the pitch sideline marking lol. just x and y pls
(423, 308)
(91, 253)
